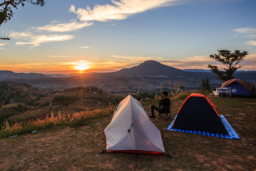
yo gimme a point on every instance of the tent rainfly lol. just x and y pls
(131, 131)
(240, 88)
(198, 115)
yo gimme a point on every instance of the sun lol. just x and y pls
(81, 67)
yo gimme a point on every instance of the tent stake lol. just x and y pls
(136, 158)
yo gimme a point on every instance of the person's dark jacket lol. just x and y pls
(164, 105)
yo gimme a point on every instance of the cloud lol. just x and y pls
(77, 63)
(201, 62)
(136, 58)
(37, 40)
(84, 47)
(64, 27)
(2, 44)
(252, 43)
(120, 10)
(248, 32)
(54, 21)
(53, 56)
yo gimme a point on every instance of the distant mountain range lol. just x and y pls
(147, 76)
(12, 75)
(204, 70)
(6, 75)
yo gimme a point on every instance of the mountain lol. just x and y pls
(196, 70)
(151, 68)
(12, 75)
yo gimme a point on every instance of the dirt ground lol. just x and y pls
(62, 149)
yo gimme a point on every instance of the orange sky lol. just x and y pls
(118, 62)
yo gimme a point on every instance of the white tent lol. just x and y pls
(132, 131)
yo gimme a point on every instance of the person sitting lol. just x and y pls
(164, 106)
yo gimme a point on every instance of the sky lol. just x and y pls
(67, 36)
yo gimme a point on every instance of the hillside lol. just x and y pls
(22, 102)
(79, 148)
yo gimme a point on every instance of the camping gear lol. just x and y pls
(220, 91)
(240, 88)
(131, 131)
(198, 115)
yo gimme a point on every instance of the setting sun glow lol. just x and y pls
(81, 67)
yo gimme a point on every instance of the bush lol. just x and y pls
(5, 115)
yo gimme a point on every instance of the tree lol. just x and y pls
(205, 85)
(6, 12)
(230, 60)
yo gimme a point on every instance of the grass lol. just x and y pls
(13, 105)
(75, 120)
(60, 148)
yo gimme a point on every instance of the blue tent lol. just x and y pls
(240, 88)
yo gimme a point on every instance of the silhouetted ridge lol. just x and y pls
(151, 68)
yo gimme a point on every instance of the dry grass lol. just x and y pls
(77, 119)
(13, 104)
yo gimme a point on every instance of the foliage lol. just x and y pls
(6, 12)
(87, 89)
(205, 86)
(145, 95)
(74, 120)
(4, 115)
(230, 60)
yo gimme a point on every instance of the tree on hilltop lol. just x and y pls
(230, 60)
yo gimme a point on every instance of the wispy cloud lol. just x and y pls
(84, 47)
(54, 56)
(65, 27)
(2, 44)
(119, 10)
(248, 32)
(137, 58)
(76, 63)
(252, 43)
(54, 21)
(201, 62)
(37, 40)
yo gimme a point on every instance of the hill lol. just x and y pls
(151, 67)
(23, 102)
(12, 75)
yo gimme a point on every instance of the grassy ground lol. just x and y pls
(13, 104)
(62, 149)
